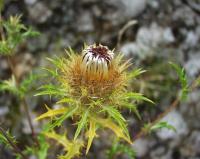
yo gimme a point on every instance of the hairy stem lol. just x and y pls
(15, 148)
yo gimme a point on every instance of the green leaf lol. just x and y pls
(30, 33)
(116, 115)
(51, 89)
(91, 134)
(137, 97)
(43, 148)
(81, 124)
(119, 148)
(136, 73)
(3, 139)
(161, 125)
(133, 108)
(4, 48)
(183, 80)
(115, 128)
(10, 85)
(52, 113)
(58, 62)
(71, 147)
(27, 83)
(53, 73)
(59, 121)
(15, 32)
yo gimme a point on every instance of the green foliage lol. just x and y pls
(60, 120)
(20, 90)
(71, 148)
(40, 151)
(50, 89)
(137, 97)
(183, 80)
(43, 148)
(4, 141)
(119, 148)
(9, 85)
(116, 115)
(148, 128)
(136, 72)
(15, 33)
(81, 124)
(161, 125)
(132, 107)
(1, 5)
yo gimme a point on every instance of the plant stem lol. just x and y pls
(23, 100)
(15, 148)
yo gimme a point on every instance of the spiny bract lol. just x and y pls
(92, 87)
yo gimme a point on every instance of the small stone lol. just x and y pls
(168, 36)
(132, 8)
(39, 12)
(85, 22)
(158, 152)
(141, 147)
(30, 2)
(3, 110)
(155, 35)
(191, 39)
(192, 66)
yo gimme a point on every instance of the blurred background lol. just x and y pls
(166, 30)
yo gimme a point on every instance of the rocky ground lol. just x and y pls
(165, 31)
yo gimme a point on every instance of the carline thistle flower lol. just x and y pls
(92, 87)
(97, 60)
(96, 71)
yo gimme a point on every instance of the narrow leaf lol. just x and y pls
(81, 124)
(52, 113)
(137, 97)
(183, 80)
(91, 134)
(161, 125)
(117, 130)
(59, 121)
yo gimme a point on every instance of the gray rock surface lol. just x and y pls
(39, 12)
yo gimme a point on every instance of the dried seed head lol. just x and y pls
(96, 60)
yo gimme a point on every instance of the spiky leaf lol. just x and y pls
(71, 147)
(183, 80)
(116, 115)
(81, 124)
(91, 134)
(137, 97)
(161, 125)
(52, 113)
(111, 125)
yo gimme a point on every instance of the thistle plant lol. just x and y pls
(92, 88)
(12, 34)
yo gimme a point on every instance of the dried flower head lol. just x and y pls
(96, 61)
(94, 86)
(96, 71)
